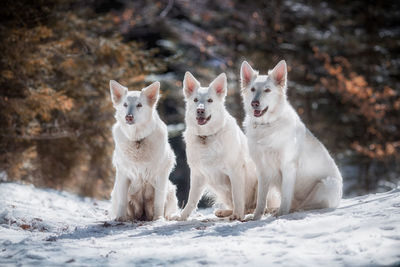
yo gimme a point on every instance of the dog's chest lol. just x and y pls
(205, 151)
(266, 138)
(138, 151)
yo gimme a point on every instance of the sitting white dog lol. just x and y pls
(142, 157)
(217, 151)
(286, 153)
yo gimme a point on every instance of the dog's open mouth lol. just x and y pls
(202, 120)
(259, 113)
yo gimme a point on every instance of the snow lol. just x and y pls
(46, 227)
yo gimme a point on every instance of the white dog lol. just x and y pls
(216, 150)
(142, 157)
(285, 152)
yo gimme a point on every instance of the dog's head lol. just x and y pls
(134, 107)
(205, 105)
(263, 95)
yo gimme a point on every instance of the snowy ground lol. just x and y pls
(43, 227)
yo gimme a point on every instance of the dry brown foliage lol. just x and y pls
(55, 110)
(376, 109)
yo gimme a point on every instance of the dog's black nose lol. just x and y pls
(201, 111)
(129, 118)
(255, 103)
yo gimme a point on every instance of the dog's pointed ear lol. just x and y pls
(190, 84)
(247, 74)
(152, 92)
(279, 74)
(117, 92)
(220, 85)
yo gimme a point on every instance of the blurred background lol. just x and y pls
(57, 57)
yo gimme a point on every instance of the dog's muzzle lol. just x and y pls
(201, 115)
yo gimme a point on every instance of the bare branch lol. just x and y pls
(167, 8)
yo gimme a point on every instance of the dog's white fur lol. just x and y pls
(285, 152)
(217, 152)
(142, 157)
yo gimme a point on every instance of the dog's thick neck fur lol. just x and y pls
(138, 132)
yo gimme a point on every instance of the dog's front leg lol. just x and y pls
(288, 171)
(238, 193)
(197, 183)
(262, 192)
(160, 193)
(119, 197)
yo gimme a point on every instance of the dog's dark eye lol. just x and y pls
(195, 100)
(125, 105)
(139, 105)
(209, 100)
(267, 90)
(252, 89)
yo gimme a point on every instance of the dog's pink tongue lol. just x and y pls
(257, 112)
(201, 120)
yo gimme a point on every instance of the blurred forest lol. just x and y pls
(57, 57)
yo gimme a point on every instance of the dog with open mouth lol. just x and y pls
(287, 155)
(217, 151)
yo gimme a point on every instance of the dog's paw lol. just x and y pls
(122, 218)
(248, 217)
(223, 213)
(172, 217)
(180, 218)
(236, 216)
(272, 211)
(256, 216)
(280, 212)
(159, 219)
